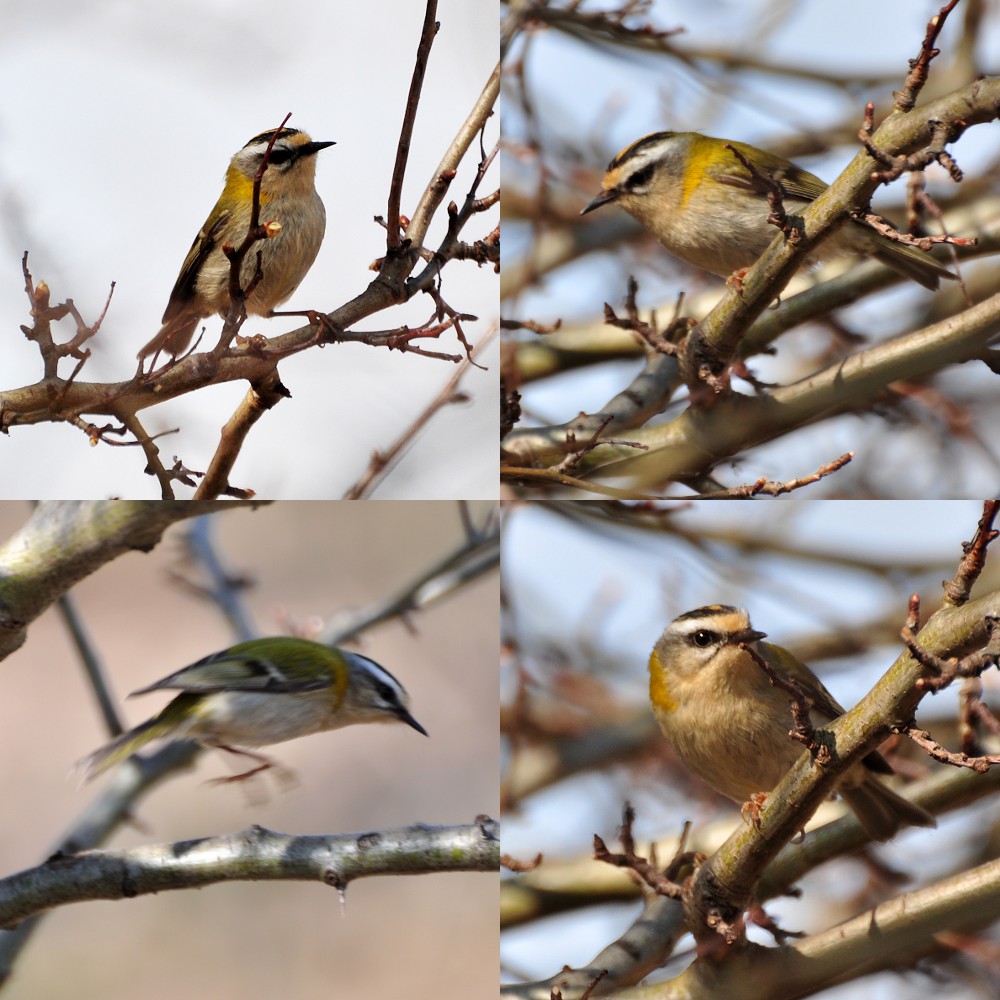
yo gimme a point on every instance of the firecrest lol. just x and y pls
(261, 692)
(697, 198)
(730, 725)
(287, 197)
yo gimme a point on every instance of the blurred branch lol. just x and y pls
(91, 664)
(116, 805)
(473, 557)
(65, 541)
(224, 586)
(608, 515)
(700, 438)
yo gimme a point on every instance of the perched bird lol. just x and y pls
(696, 197)
(261, 692)
(288, 198)
(730, 725)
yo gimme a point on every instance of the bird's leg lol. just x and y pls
(263, 764)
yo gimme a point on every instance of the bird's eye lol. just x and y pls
(703, 638)
(641, 177)
(386, 693)
(281, 155)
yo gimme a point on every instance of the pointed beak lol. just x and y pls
(404, 716)
(602, 199)
(748, 635)
(311, 148)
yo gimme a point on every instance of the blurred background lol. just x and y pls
(792, 78)
(115, 153)
(305, 562)
(587, 589)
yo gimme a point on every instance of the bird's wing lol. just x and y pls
(237, 671)
(183, 292)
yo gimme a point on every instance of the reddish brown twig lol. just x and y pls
(237, 314)
(802, 727)
(888, 230)
(647, 334)
(906, 96)
(768, 487)
(769, 185)
(923, 739)
(663, 883)
(513, 864)
(393, 240)
(957, 590)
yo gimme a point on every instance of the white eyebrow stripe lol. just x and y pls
(375, 670)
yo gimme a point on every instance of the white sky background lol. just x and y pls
(597, 99)
(599, 600)
(119, 123)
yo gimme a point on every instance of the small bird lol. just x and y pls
(288, 198)
(261, 692)
(696, 197)
(730, 725)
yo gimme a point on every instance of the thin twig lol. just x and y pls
(470, 559)
(91, 664)
(768, 487)
(434, 193)
(959, 588)
(664, 883)
(906, 96)
(382, 462)
(427, 33)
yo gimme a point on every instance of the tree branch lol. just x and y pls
(255, 854)
(67, 540)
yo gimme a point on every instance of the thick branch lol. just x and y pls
(255, 854)
(884, 937)
(701, 437)
(66, 540)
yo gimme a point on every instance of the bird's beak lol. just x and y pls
(311, 148)
(749, 635)
(404, 716)
(602, 199)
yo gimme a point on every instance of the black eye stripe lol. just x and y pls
(385, 692)
(704, 638)
(641, 177)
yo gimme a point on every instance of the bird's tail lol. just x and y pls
(881, 811)
(123, 747)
